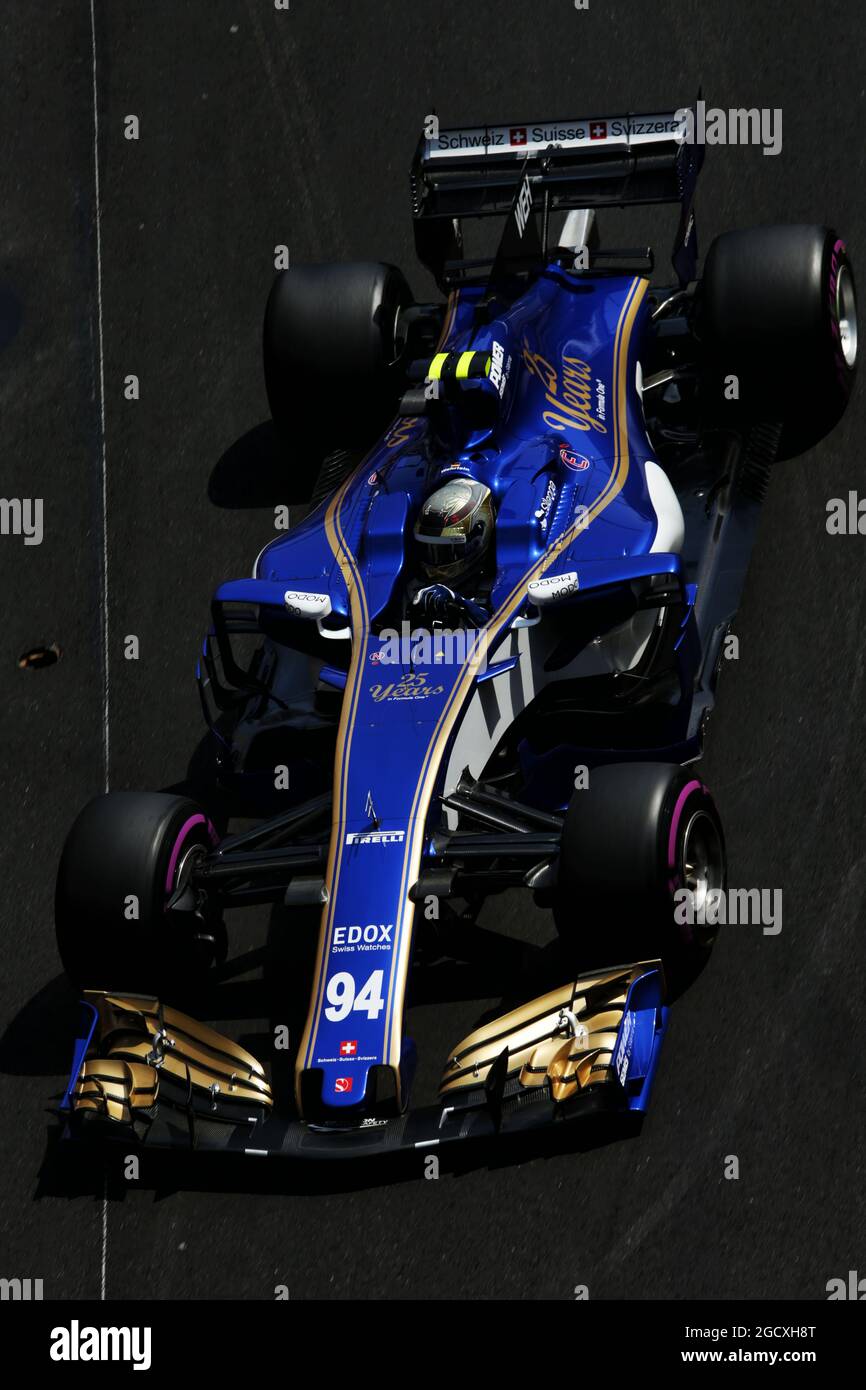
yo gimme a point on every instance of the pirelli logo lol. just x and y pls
(375, 837)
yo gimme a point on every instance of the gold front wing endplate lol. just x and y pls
(564, 1039)
(144, 1053)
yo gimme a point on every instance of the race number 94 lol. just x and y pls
(343, 999)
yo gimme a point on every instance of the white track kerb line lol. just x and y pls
(104, 509)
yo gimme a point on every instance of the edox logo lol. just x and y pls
(370, 935)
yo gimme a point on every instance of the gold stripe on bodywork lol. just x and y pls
(358, 610)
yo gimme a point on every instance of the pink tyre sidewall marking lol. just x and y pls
(683, 797)
(182, 835)
(686, 931)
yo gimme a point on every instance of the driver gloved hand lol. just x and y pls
(435, 601)
(438, 602)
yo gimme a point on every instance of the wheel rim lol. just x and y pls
(846, 315)
(703, 859)
(398, 336)
(188, 860)
(204, 935)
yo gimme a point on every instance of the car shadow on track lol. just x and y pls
(38, 1040)
(250, 473)
(256, 471)
(78, 1169)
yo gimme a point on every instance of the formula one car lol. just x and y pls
(483, 660)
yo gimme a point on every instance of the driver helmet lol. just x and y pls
(454, 529)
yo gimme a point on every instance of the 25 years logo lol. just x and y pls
(569, 392)
(412, 687)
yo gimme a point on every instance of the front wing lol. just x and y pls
(146, 1074)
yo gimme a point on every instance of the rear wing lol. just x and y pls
(548, 167)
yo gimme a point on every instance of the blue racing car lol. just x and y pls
(484, 660)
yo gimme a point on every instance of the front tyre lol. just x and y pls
(641, 866)
(126, 858)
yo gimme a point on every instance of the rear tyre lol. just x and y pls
(332, 344)
(779, 313)
(124, 859)
(637, 836)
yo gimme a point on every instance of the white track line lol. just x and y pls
(104, 1262)
(104, 478)
(106, 744)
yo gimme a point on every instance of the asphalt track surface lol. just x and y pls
(260, 128)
